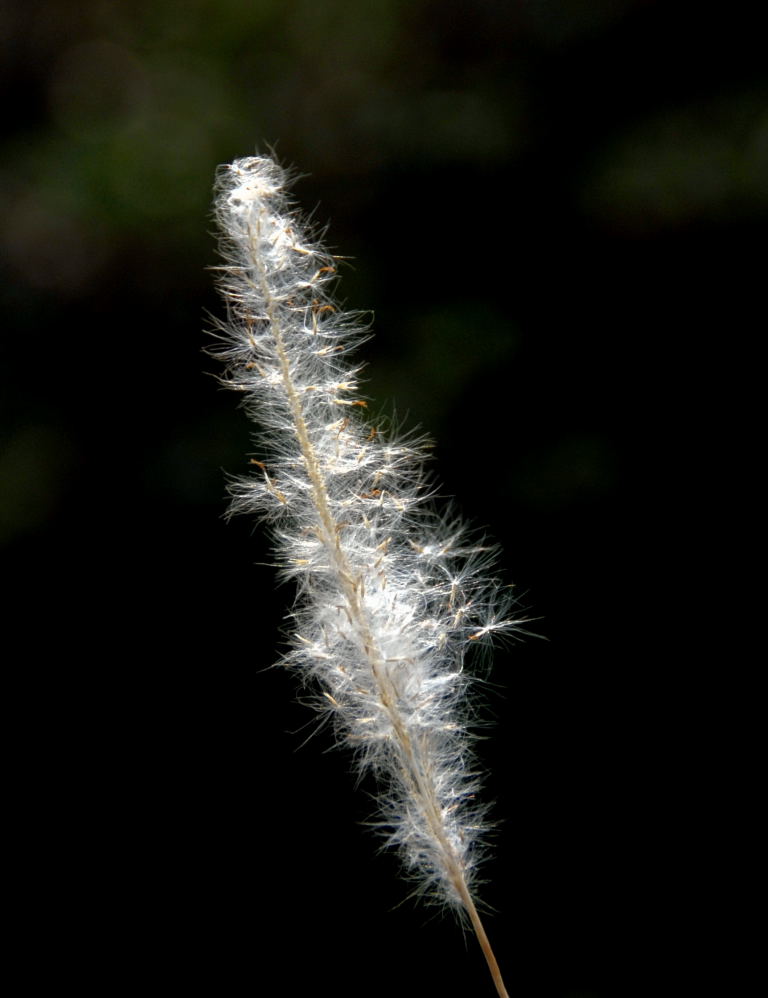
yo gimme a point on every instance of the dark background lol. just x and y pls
(553, 208)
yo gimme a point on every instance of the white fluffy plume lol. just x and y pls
(390, 596)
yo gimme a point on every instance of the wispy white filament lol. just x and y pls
(390, 595)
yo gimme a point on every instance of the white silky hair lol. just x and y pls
(390, 594)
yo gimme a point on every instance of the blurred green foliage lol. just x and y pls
(480, 161)
(122, 108)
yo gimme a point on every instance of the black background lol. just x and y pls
(554, 211)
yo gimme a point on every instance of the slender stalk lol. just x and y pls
(482, 938)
